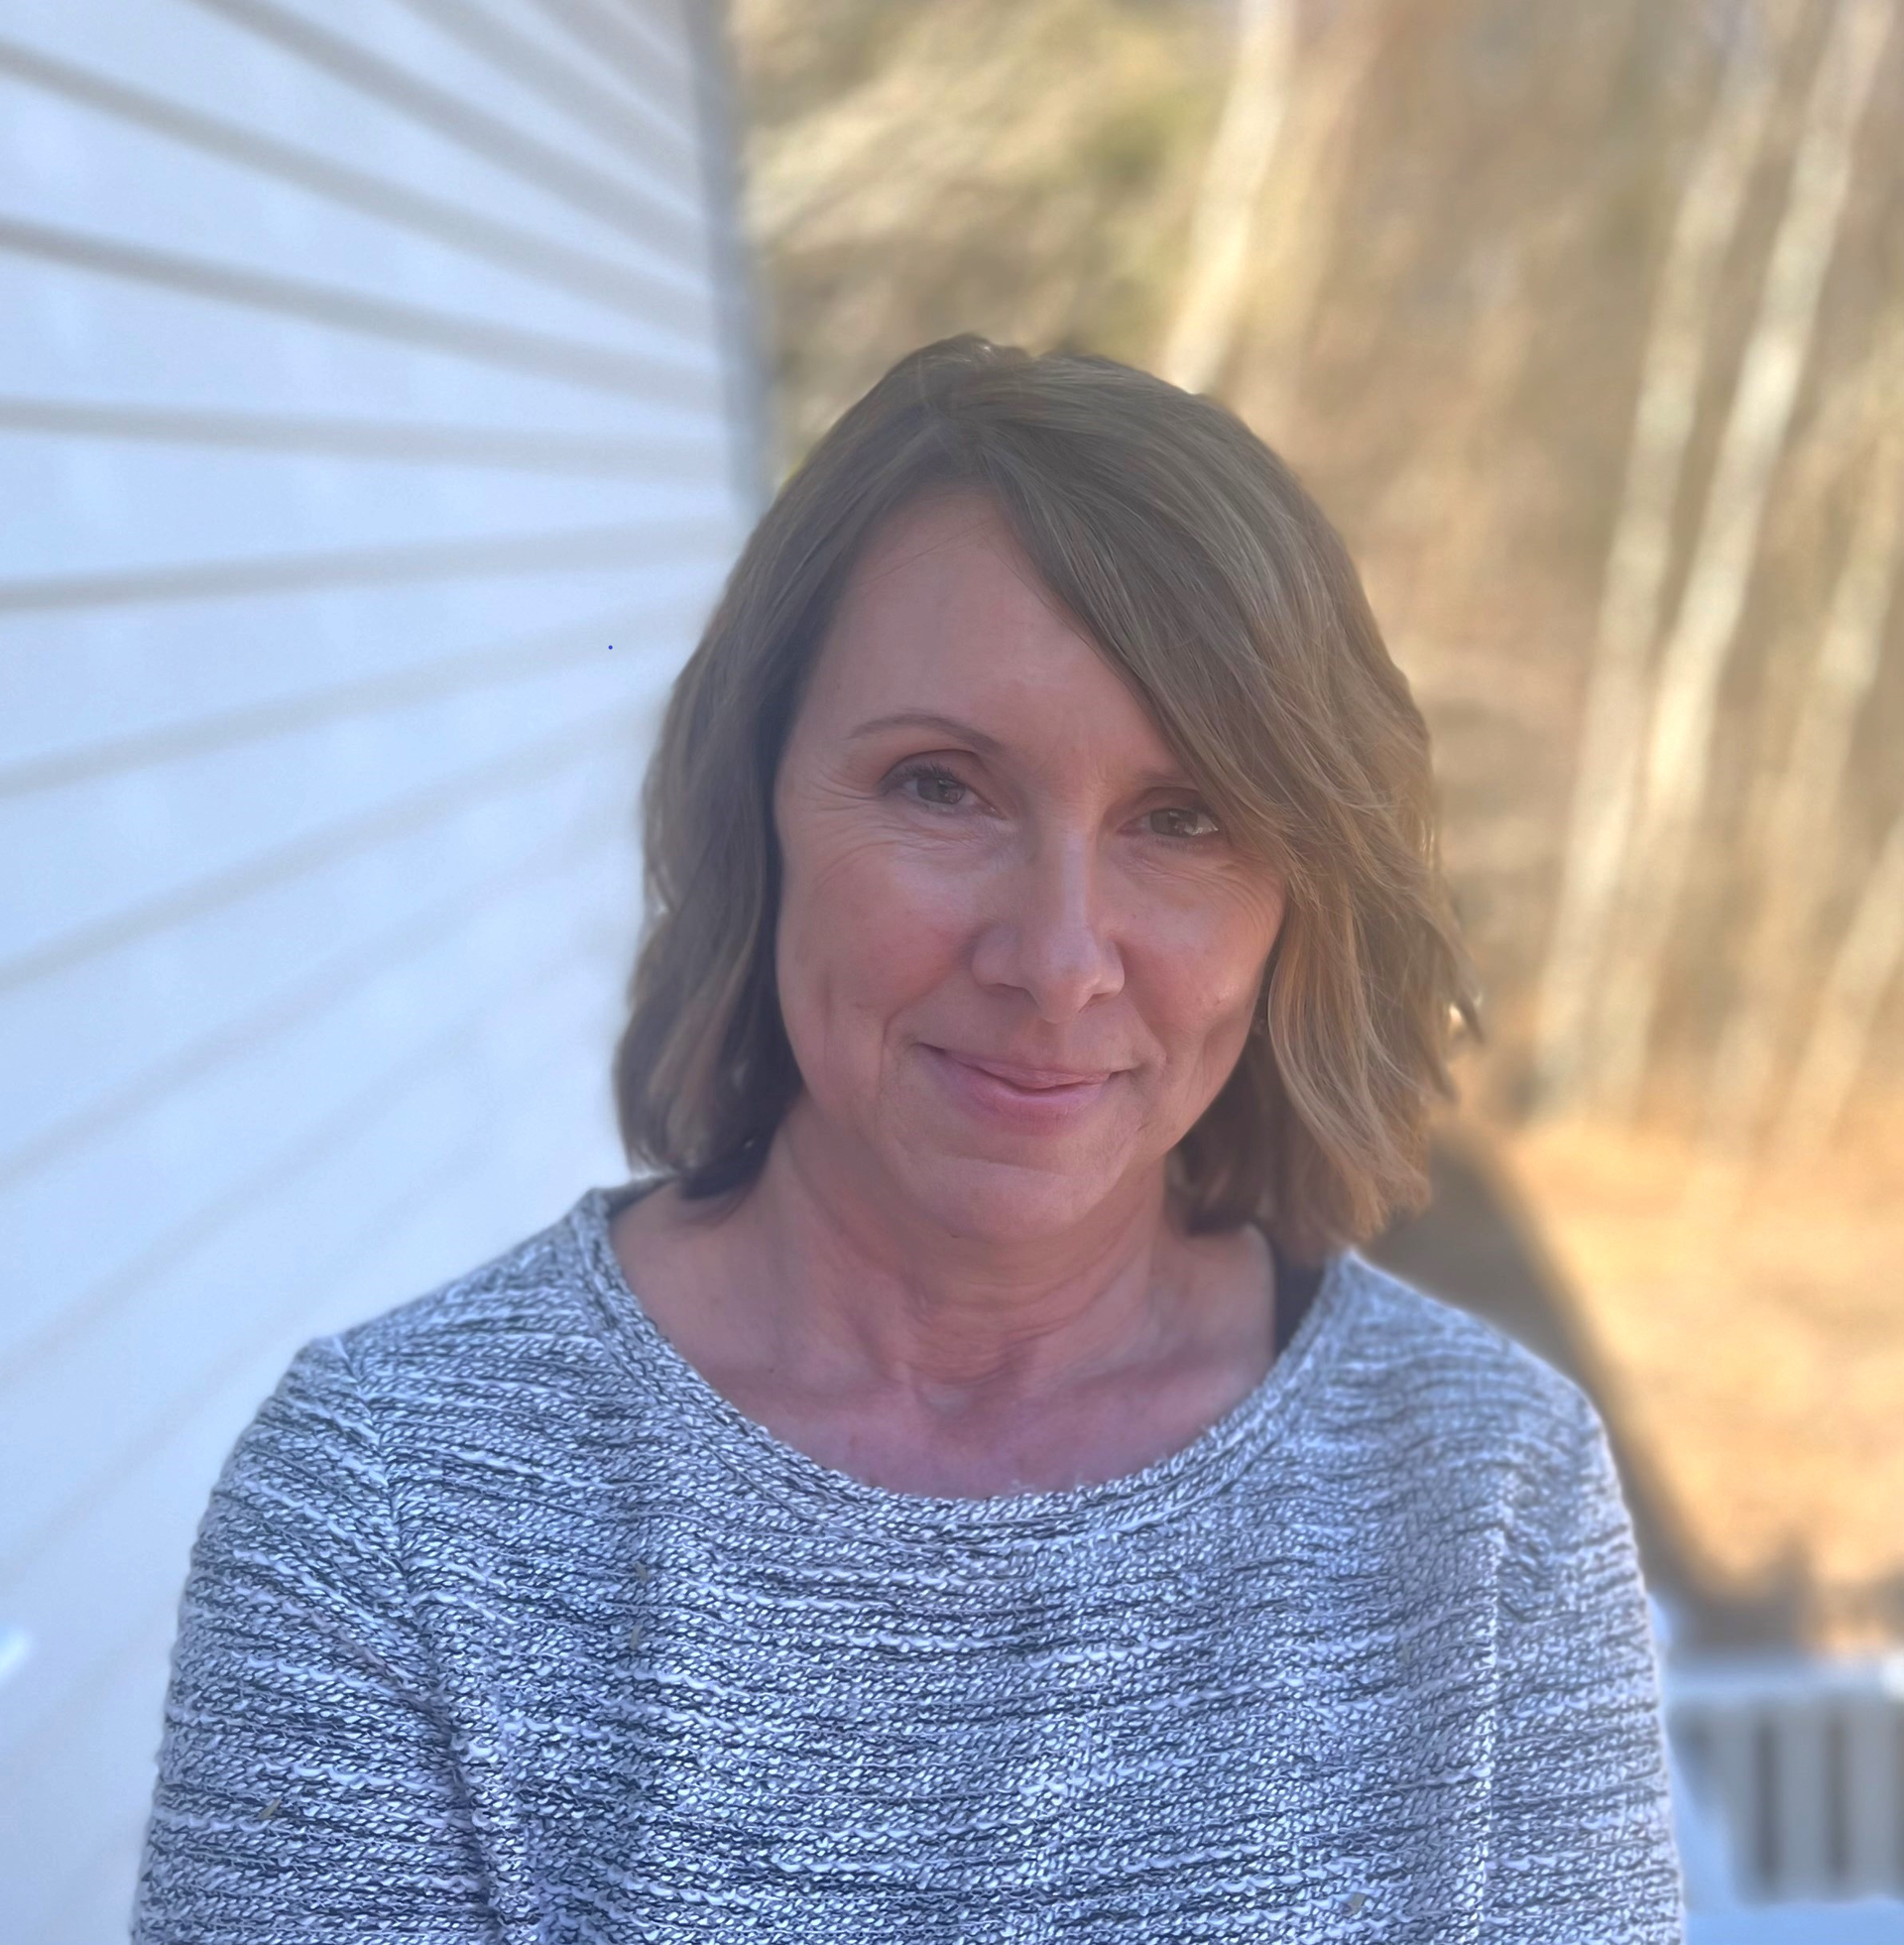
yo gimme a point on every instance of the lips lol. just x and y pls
(1016, 1097)
(1028, 1081)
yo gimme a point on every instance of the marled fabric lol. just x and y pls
(502, 1624)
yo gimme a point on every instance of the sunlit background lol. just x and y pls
(385, 386)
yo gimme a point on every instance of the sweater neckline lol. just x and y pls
(1177, 1483)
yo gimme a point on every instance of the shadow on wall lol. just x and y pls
(1478, 1246)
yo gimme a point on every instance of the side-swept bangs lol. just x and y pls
(1207, 576)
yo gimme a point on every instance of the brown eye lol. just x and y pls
(935, 786)
(1180, 820)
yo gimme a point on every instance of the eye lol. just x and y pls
(1180, 820)
(927, 783)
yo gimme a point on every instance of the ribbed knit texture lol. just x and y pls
(504, 1626)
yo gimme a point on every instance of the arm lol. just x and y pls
(1582, 1849)
(305, 1783)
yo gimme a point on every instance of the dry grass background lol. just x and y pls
(1466, 216)
(1759, 1355)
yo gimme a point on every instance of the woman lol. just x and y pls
(973, 1489)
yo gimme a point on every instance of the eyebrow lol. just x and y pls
(987, 745)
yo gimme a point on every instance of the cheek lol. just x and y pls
(865, 929)
(1202, 963)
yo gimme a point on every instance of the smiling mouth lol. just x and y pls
(1030, 1080)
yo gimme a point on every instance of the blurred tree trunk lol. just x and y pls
(1607, 765)
(1867, 963)
(1504, 341)
(1205, 326)
(1303, 194)
(1793, 880)
(1692, 660)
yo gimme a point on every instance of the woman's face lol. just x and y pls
(1018, 956)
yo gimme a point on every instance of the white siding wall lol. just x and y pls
(367, 367)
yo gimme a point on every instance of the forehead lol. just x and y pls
(944, 611)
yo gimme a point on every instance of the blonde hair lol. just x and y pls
(1206, 575)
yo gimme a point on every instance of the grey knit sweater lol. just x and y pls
(504, 1626)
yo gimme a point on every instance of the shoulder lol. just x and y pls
(510, 1353)
(1473, 1420)
(498, 1318)
(499, 1371)
(1449, 1376)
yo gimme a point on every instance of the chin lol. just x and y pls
(992, 1200)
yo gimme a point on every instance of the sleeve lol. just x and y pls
(1582, 1849)
(306, 1785)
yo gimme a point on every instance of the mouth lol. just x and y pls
(1017, 1093)
(1028, 1081)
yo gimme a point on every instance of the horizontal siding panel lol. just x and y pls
(87, 1757)
(158, 1042)
(644, 639)
(71, 1416)
(396, 60)
(638, 108)
(665, 298)
(142, 186)
(72, 336)
(164, 838)
(380, 434)
(79, 677)
(331, 330)
(93, 507)
(179, 991)
(649, 37)
(79, 1263)
(292, 1263)
(218, 67)
(178, 1009)
(159, 1056)
(75, 1808)
(472, 49)
(690, 455)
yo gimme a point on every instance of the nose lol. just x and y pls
(1047, 932)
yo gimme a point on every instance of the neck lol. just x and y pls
(854, 1284)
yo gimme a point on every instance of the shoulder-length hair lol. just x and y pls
(1216, 587)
